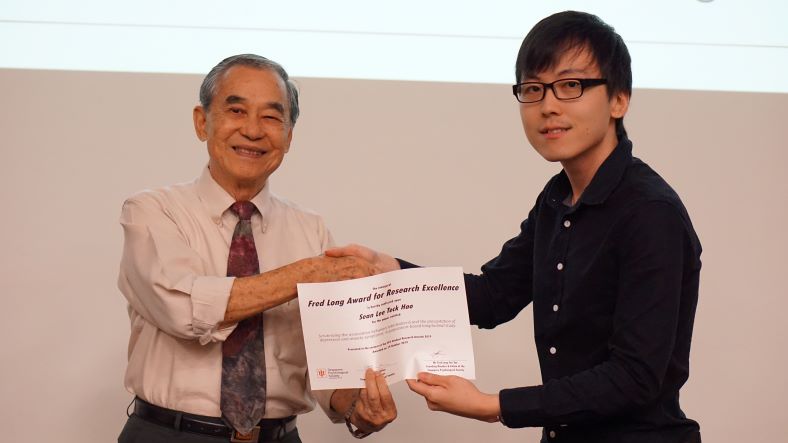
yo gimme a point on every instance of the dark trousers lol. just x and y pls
(579, 435)
(138, 430)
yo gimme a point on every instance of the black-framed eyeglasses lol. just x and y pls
(563, 89)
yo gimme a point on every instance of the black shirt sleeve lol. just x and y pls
(506, 284)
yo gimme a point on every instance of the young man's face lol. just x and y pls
(579, 131)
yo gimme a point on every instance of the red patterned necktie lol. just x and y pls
(243, 358)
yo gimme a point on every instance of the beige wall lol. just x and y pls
(437, 173)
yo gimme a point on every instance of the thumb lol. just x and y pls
(432, 379)
(418, 387)
(336, 252)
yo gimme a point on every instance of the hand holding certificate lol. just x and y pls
(400, 322)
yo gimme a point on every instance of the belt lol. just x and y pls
(268, 429)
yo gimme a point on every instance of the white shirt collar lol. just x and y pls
(217, 200)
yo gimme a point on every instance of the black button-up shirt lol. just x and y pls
(614, 285)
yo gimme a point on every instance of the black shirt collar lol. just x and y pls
(605, 180)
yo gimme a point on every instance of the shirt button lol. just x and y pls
(551, 434)
(559, 266)
(553, 350)
(555, 308)
(567, 223)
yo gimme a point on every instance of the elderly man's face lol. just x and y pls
(247, 129)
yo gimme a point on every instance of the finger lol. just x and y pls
(386, 398)
(372, 391)
(339, 251)
(351, 249)
(433, 379)
(418, 387)
(382, 385)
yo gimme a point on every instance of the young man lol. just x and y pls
(607, 256)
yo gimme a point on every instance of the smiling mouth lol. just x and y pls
(553, 131)
(248, 152)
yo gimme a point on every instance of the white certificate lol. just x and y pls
(401, 322)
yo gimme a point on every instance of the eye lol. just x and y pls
(532, 88)
(571, 84)
(236, 110)
(273, 120)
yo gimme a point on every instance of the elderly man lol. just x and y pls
(209, 270)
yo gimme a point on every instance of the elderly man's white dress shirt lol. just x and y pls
(176, 243)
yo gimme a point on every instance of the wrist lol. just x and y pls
(357, 433)
(494, 408)
(340, 400)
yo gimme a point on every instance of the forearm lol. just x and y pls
(490, 408)
(258, 293)
(255, 294)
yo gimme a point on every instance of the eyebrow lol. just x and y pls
(232, 99)
(563, 73)
(572, 71)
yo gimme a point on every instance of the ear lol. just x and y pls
(199, 117)
(619, 104)
(289, 138)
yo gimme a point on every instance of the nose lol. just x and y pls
(550, 105)
(252, 128)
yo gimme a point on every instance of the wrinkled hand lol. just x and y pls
(325, 269)
(457, 396)
(383, 262)
(375, 407)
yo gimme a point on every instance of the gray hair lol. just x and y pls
(209, 84)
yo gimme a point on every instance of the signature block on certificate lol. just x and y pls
(401, 322)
